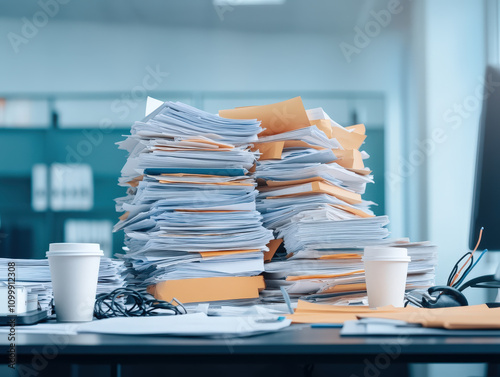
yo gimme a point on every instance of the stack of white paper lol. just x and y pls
(310, 196)
(190, 208)
(195, 325)
(34, 274)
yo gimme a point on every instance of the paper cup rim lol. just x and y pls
(74, 246)
(77, 253)
(386, 259)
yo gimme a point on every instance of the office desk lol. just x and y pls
(299, 343)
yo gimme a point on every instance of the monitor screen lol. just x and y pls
(486, 202)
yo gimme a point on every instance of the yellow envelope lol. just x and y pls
(273, 246)
(324, 276)
(276, 118)
(324, 188)
(345, 288)
(341, 256)
(348, 140)
(358, 128)
(269, 151)
(208, 289)
(324, 125)
(354, 211)
(320, 313)
(294, 182)
(211, 142)
(301, 144)
(233, 183)
(222, 253)
(349, 158)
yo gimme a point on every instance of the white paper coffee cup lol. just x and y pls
(74, 270)
(386, 269)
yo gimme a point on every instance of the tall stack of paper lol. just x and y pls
(191, 224)
(311, 177)
(34, 274)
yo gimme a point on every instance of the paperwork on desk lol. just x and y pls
(454, 318)
(193, 325)
(311, 177)
(191, 226)
(34, 274)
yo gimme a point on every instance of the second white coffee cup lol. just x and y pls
(74, 270)
(386, 269)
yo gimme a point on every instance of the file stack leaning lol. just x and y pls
(192, 231)
(311, 177)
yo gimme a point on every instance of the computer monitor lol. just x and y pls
(486, 202)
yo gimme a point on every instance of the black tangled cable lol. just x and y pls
(127, 302)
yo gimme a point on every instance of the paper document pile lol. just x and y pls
(34, 274)
(451, 318)
(311, 177)
(191, 226)
(192, 325)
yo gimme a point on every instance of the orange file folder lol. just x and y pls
(208, 289)
(349, 140)
(269, 151)
(273, 246)
(323, 125)
(349, 159)
(316, 187)
(276, 118)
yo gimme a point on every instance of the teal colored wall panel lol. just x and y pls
(374, 146)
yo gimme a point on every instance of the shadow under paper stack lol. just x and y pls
(311, 177)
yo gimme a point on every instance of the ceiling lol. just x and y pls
(330, 16)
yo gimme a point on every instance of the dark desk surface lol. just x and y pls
(300, 342)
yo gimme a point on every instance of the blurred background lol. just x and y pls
(75, 75)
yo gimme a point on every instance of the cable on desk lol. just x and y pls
(127, 302)
(454, 280)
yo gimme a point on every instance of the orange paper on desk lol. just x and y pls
(233, 183)
(348, 140)
(361, 171)
(358, 128)
(307, 312)
(341, 256)
(222, 253)
(330, 276)
(269, 151)
(208, 289)
(345, 288)
(349, 158)
(354, 211)
(273, 246)
(323, 125)
(317, 187)
(210, 142)
(294, 182)
(300, 144)
(276, 118)
(453, 318)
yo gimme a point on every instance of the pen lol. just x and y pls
(327, 325)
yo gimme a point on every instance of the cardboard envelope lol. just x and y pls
(269, 151)
(276, 118)
(208, 289)
(349, 158)
(348, 140)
